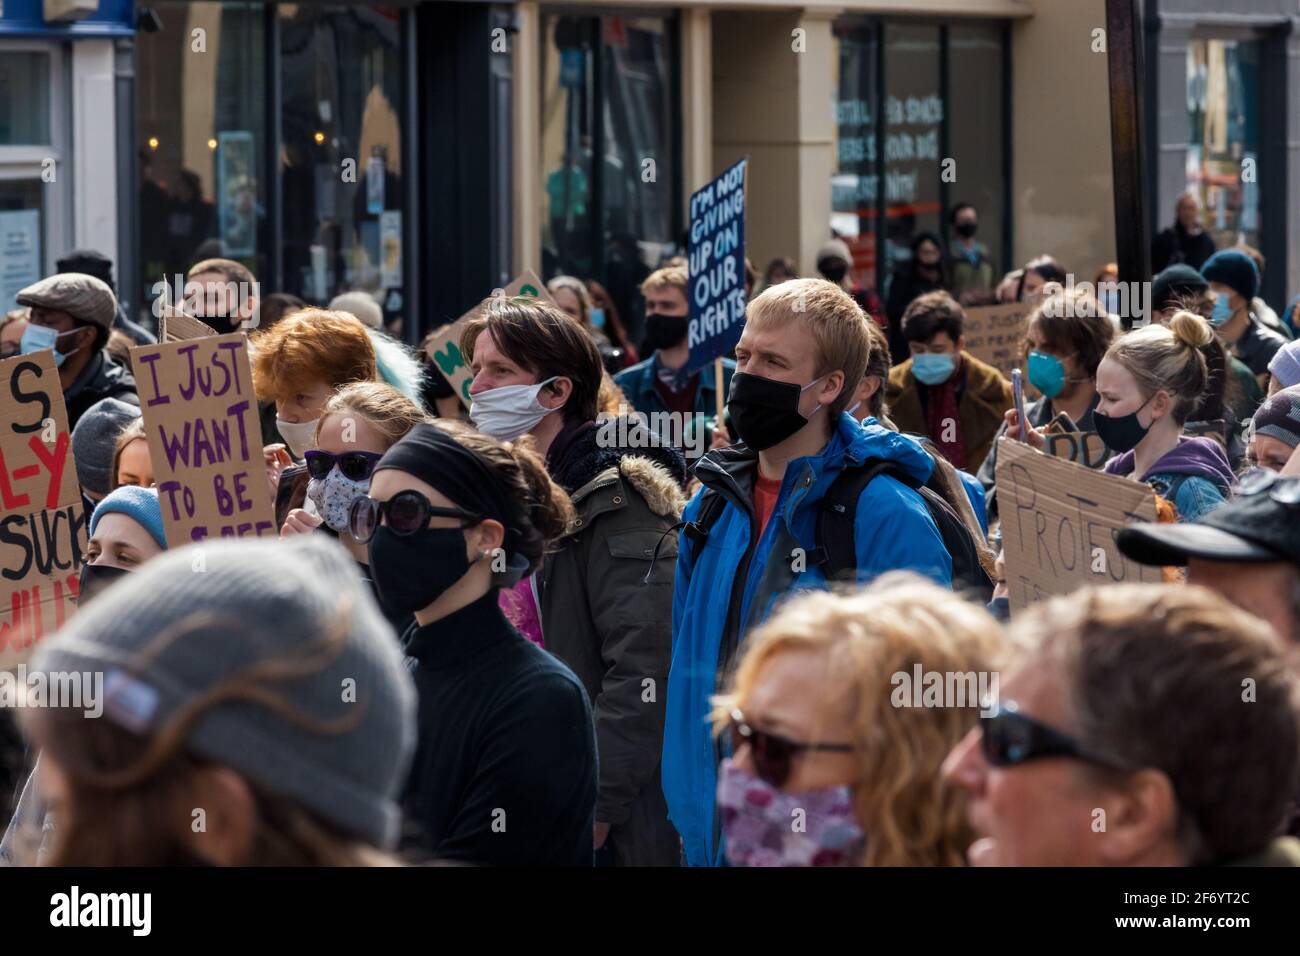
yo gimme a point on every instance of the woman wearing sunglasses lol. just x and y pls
(357, 425)
(1145, 725)
(819, 732)
(505, 768)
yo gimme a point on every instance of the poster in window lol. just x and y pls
(375, 185)
(390, 249)
(237, 193)
(20, 253)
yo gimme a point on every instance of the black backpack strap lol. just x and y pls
(711, 505)
(836, 550)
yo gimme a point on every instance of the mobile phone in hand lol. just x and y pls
(1018, 393)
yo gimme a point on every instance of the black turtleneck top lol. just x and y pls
(505, 764)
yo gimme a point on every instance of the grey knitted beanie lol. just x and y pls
(94, 439)
(238, 604)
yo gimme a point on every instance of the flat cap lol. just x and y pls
(83, 297)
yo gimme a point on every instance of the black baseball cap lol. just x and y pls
(1260, 524)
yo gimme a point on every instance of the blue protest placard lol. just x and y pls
(716, 262)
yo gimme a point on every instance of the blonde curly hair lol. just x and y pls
(910, 816)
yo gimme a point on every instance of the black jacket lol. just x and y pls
(101, 378)
(1176, 245)
(603, 618)
(505, 761)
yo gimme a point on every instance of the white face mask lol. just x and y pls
(297, 435)
(506, 413)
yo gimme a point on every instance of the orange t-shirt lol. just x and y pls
(766, 491)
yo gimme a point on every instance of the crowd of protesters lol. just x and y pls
(568, 636)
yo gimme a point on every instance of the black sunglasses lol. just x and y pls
(773, 754)
(405, 513)
(1284, 489)
(353, 465)
(1011, 738)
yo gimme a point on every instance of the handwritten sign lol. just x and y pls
(205, 440)
(1082, 448)
(42, 522)
(716, 264)
(1059, 522)
(996, 334)
(444, 350)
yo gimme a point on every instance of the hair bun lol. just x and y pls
(1191, 330)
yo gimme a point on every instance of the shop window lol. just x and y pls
(1223, 151)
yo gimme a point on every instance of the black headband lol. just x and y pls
(430, 454)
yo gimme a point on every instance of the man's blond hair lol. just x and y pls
(675, 277)
(837, 323)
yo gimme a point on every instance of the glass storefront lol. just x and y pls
(207, 133)
(1223, 148)
(610, 188)
(910, 96)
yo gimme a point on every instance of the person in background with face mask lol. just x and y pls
(1104, 282)
(1234, 280)
(656, 385)
(1147, 385)
(969, 264)
(290, 771)
(604, 593)
(605, 317)
(94, 263)
(803, 350)
(72, 314)
(298, 364)
(942, 391)
(572, 299)
(1065, 340)
(94, 448)
(821, 716)
(835, 264)
(358, 424)
(1126, 709)
(505, 768)
(224, 294)
(922, 273)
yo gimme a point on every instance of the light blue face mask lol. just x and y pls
(933, 368)
(38, 338)
(1222, 312)
(597, 318)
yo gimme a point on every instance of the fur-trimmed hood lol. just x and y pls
(652, 482)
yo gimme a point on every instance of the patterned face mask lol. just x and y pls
(764, 826)
(333, 496)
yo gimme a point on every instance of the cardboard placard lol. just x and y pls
(1059, 522)
(176, 326)
(444, 350)
(205, 439)
(1082, 448)
(995, 334)
(716, 264)
(42, 521)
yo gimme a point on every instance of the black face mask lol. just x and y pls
(664, 331)
(834, 270)
(967, 229)
(763, 411)
(412, 571)
(94, 579)
(1121, 433)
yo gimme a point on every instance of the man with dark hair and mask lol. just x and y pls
(655, 385)
(752, 535)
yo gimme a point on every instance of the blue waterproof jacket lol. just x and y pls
(728, 583)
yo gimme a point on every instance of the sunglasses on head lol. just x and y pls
(1011, 738)
(405, 513)
(773, 755)
(353, 465)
